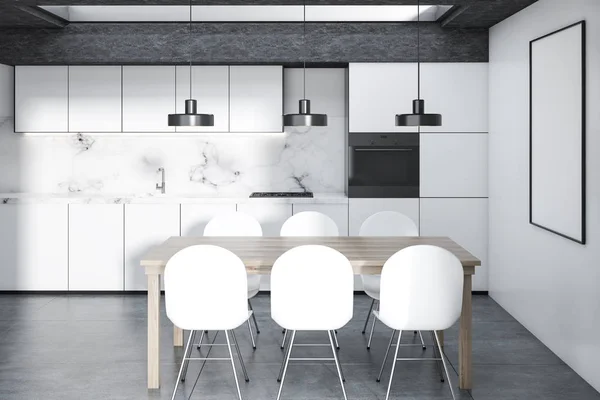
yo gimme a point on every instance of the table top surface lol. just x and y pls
(366, 254)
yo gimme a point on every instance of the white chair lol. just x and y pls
(219, 305)
(309, 223)
(384, 223)
(291, 308)
(238, 224)
(421, 289)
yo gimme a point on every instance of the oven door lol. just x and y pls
(383, 171)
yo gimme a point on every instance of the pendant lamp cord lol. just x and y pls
(304, 49)
(418, 50)
(190, 49)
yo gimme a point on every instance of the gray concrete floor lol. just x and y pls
(94, 347)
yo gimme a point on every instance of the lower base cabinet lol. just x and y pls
(337, 212)
(146, 225)
(194, 217)
(96, 247)
(34, 247)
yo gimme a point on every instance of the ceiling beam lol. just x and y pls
(452, 14)
(44, 15)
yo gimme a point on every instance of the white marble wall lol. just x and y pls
(211, 164)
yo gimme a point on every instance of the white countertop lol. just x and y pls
(147, 198)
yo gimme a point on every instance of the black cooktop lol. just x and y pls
(281, 194)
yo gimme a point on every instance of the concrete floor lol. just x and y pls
(94, 347)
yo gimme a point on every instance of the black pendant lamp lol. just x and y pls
(418, 116)
(304, 116)
(191, 116)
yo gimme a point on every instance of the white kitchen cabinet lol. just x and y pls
(256, 98)
(337, 212)
(95, 99)
(454, 165)
(361, 209)
(458, 91)
(270, 215)
(379, 91)
(34, 247)
(466, 222)
(41, 98)
(210, 88)
(325, 87)
(146, 225)
(194, 217)
(148, 98)
(96, 247)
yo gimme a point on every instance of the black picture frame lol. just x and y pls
(582, 238)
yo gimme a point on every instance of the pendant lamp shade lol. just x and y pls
(191, 116)
(304, 117)
(418, 116)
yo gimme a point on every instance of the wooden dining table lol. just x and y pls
(366, 254)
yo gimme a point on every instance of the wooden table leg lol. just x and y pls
(177, 336)
(153, 331)
(465, 349)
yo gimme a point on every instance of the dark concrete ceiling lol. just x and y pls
(465, 14)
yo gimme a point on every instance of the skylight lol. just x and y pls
(254, 13)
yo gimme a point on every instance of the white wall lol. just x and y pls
(550, 284)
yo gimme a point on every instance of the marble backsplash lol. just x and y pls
(213, 164)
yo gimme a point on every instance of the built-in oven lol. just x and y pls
(383, 165)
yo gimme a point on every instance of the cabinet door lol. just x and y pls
(148, 98)
(379, 91)
(361, 209)
(210, 88)
(41, 99)
(96, 247)
(458, 91)
(337, 212)
(256, 98)
(466, 222)
(34, 247)
(95, 99)
(146, 225)
(270, 215)
(454, 165)
(194, 217)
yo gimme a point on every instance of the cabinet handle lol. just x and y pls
(383, 149)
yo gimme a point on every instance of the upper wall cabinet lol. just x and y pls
(148, 98)
(458, 91)
(256, 98)
(210, 88)
(95, 99)
(41, 99)
(379, 91)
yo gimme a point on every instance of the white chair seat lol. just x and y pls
(253, 285)
(371, 285)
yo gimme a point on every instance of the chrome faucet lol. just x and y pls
(161, 187)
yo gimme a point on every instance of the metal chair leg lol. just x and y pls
(368, 316)
(284, 337)
(444, 363)
(387, 396)
(438, 363)
(372, 329)
(422, 342)
(237, 384)
(386, 356)
(239, 353)
(337, 363)
(187, 348)
(251, 335)
(337, 345)
(185, 362)
(287, 360)
(282, 363)
(253, 317)
(200, 341)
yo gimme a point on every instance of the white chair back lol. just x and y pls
(388, 223)
(206, 288)
(326, 274)
(309, 223)
(233, 224)
(421, 289)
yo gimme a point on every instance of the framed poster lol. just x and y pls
(557, 132)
